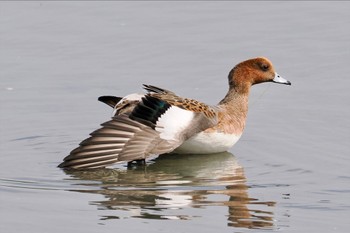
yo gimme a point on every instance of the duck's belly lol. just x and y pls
(207, 143)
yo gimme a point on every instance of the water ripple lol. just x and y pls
(168, 188)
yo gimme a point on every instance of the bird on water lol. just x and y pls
(161, 122)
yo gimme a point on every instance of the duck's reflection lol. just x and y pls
(173, 186)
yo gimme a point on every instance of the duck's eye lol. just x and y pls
(265, 67)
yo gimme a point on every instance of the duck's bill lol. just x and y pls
(279, 79)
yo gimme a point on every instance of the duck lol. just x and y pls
(160, 122)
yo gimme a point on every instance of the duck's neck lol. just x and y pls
(234, 111)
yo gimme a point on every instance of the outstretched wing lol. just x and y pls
(157, 124)
(107, 144)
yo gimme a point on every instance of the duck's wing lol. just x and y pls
(183, 103)
(159, 123)
(117, 137)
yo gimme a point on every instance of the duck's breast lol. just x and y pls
(208, 143)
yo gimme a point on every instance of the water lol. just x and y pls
(288, 173)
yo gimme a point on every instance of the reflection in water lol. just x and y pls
(171, 185)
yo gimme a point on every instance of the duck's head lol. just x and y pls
(254, 71)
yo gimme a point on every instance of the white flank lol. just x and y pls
(173, 122)
(208, 143)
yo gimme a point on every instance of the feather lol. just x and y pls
(102, 147)
(152, 125)
(110, 100)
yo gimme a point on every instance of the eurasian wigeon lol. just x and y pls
(161, 122)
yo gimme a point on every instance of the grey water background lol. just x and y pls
(288, 173)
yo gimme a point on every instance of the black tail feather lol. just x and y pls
(109, 100)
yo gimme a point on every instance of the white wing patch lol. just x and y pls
(173, 123)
